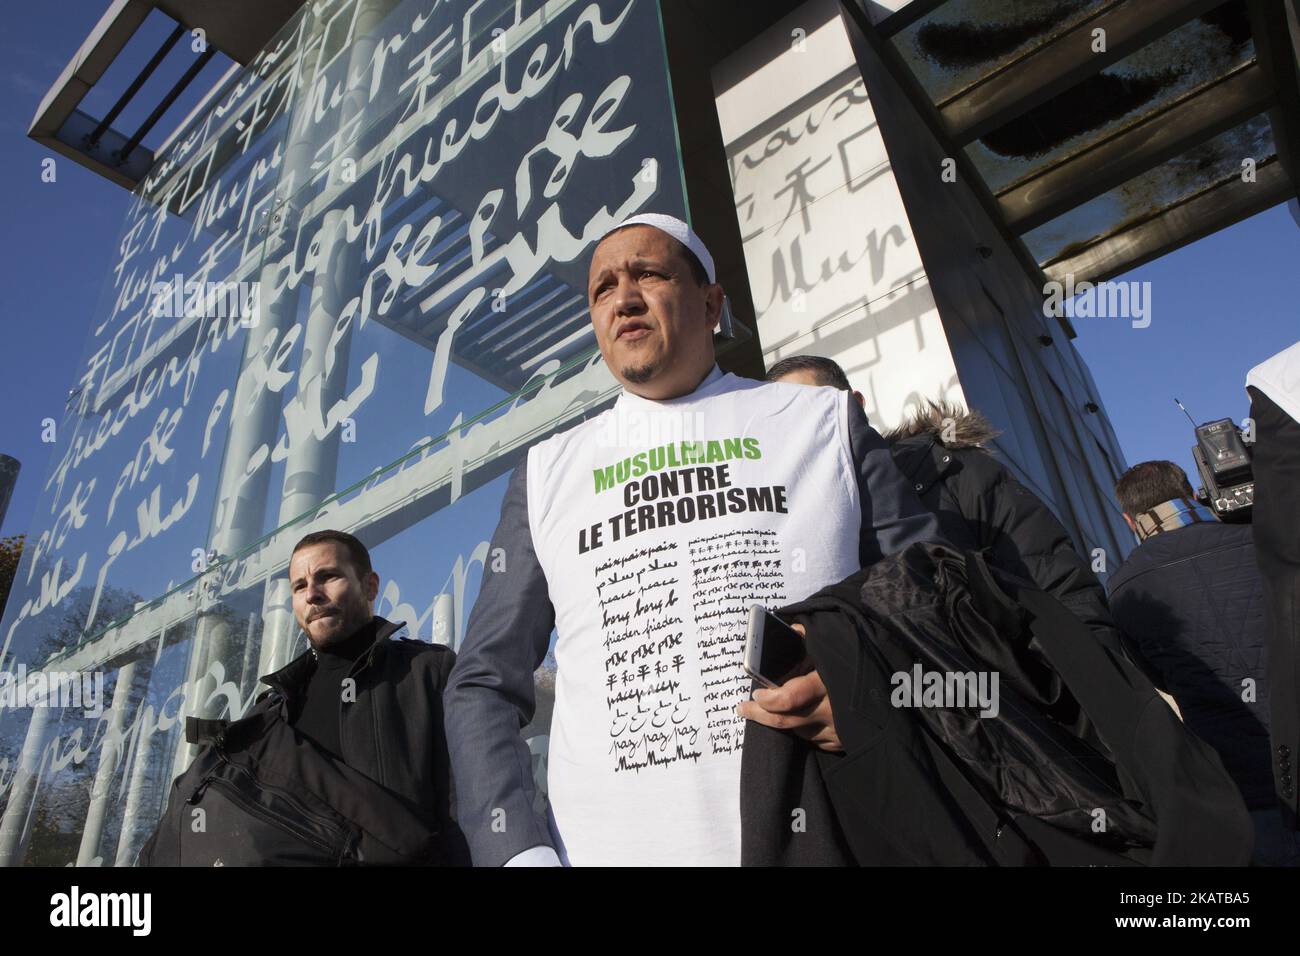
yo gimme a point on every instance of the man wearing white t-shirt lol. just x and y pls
(642, 536)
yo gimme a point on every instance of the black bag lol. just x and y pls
(261, 794)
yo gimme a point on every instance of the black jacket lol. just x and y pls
(1277, 549)
(1079, 729)
(981, 505)
(1190, 603)
(394, 731)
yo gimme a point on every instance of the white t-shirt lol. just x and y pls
(1279, 379)
(657, 525)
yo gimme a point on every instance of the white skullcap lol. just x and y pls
(679, 231)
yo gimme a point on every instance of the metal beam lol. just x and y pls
(1208, 211)
(134, 88)
(1053, 67)
(58, 124)
(1276, 53)
(70, 141)
(165, 103)
(1101, 166)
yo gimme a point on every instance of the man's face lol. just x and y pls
(653, 323)
(329, 600)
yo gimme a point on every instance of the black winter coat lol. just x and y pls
(393, 731)
(1190, 603)
(1078, 730)
(981, 505)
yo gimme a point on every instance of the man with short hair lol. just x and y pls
(643, 535)
(371, 701)
(344, 759)
(1189, 602)
(333, 588)
(814, 370)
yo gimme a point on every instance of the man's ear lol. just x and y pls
(372, 586)
(1132, 525)
(861, 399)
(713, 299)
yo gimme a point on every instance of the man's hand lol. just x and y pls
(800, 705)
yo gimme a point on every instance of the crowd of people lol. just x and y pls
(1131, 718)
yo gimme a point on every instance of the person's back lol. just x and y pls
(943, 451)
(1190, 604)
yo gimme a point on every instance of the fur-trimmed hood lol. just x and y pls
(946, 422)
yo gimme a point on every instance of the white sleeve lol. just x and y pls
(536, 856)
(1279, 379)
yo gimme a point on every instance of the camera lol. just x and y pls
(1224, 465)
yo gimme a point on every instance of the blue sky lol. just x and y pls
(57, 239)
(1219, 305)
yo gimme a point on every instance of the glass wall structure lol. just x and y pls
(350, 294)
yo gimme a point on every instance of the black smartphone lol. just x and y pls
(773, 649)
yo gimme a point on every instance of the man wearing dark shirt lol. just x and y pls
(319, 716)
(943, 450)
(373, 702)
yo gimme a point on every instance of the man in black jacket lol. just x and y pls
(1190, 604)
(371, 701)
(979, 503)
(344, 760)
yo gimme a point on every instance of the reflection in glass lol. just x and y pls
(350, 294)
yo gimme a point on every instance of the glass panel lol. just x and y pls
(350, 294)
(1215, 161)
(152, 734)
(963, 41)
(1197, 54)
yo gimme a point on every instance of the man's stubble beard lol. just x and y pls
(640, 374)
(351, 619)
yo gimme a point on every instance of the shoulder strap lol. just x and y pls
(201, 731)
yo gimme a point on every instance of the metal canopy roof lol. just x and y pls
(1103, 150)
(1098, 157)
(234, 29)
